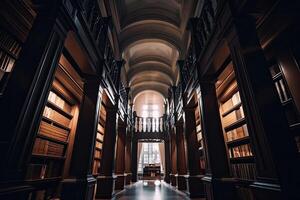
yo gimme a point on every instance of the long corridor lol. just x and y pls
(148, 190)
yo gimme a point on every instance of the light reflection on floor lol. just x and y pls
(150, 190)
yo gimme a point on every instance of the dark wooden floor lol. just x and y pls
(147, 190)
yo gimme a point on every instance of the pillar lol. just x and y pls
(275, 150)
(134, 146)
(217, 179)
(120, 157)
(82, 183)
(128, 173)
(173, 175)
(106, 179)
(195, 185)
(181, 157)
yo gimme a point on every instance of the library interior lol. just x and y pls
(149, 99)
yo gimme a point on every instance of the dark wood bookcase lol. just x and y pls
(10, 48)
(52, 148)
(199, 137)
(99, 140)
(286, 99)
(235, 129)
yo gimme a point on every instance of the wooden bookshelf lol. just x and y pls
(287, 100)
(235, 128)
(49, 149)
(10, 48)
(99, 140)
(200, 138)
(52, 148)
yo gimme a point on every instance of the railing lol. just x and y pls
(201, 28)
(149, 124)
(97, 24)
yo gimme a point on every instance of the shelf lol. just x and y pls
(235, 107)
(97, 148)
(238, 142)
(44, 180)
(99, 140)
(246, 159)
(51, 139)
(44, 157)
(60, 110)
(235, 124)
(56, 123)
(7, 51)
(277, 76)
(287, 102)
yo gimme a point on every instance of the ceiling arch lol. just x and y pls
(152, 37)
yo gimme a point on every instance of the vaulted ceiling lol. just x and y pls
(151, 37)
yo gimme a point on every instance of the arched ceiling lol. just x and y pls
(152, 36)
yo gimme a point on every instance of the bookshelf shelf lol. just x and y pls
(237, 142)
(51, 139)
(44, 156)
(235, 124)
(52, 122)
(247, 159)
(236, 107)
(58, 109)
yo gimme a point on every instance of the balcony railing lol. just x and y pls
(202, 28)
(149, 124)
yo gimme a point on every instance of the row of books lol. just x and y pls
(6, 61)
(53, 131)
(233, 116)
(45, 147)
(98, 153)
(10, 44)
(56, 116)
(232, 101)
(282, 90)
(99, 144)
(100, 128)
(240, 151)
(96, 166)
(58, 101)
(100, 136)
(237, 133)
(245, 171)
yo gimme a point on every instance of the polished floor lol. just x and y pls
(148, 190)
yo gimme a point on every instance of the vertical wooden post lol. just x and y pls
(83, 183)
(181, 157)
(195, 185)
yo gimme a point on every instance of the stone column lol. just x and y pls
(83, 184)
(275, 150)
